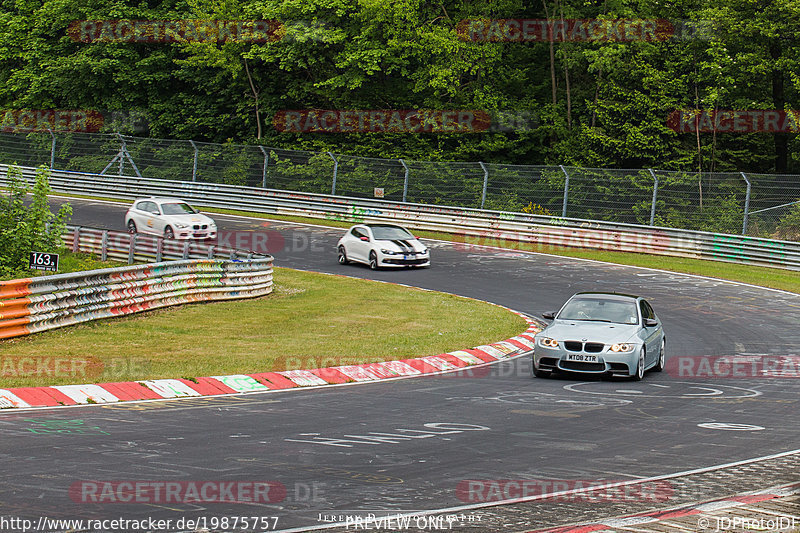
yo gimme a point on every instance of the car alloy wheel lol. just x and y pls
(168, 233)
(640, 367)
(131, 227)
(373, 261)
(343, 260)
(662, 358)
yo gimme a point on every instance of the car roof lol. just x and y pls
(380, 225)
(608, 295)
(161, 200)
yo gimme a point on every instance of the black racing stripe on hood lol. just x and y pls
(404, 246)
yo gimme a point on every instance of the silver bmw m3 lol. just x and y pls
(601, 333)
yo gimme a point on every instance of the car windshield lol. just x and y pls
(390, 233)
(600, 309)
(178, 208)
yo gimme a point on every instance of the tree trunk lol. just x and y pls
(779, 101)
(255, 98)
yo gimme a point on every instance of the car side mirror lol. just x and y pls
(649, 322)
(549, 315)
(365, 239)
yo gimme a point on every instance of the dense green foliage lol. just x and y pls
(600, 104)
(27, 227)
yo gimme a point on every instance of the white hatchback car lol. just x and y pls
(170, 218)
(382, 245)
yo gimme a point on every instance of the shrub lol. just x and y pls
(28, 228)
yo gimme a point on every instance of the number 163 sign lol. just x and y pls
(43, 261)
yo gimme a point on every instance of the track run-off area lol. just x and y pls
(460, 443)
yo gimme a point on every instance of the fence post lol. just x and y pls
(655, 195)
(194, 165)
(746, 205)
(335, 172)
(186, 249)
(266, 164)
(485, 182)
(159, 249)
(405, 180)
(104, 246)
(52, 149)
(566, 192)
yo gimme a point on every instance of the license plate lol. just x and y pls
(582, 358)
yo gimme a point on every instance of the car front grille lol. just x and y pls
(590, 347)
(583, 367)
(404, 262)
(200, 226)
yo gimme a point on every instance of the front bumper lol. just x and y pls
(555, 360)
(418, 260)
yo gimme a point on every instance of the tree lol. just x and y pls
(28, 228)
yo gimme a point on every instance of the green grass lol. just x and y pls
(310, 321)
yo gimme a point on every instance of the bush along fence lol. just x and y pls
(37, 304)
(759, 205)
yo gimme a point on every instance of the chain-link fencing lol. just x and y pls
(761, 205)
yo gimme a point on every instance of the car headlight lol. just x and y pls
(212, 224)
(547, 342)
(389, 252)
(181, 226)
(622, 347)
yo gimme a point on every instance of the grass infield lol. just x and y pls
(310, 321)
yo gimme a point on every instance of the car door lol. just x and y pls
(359, 249)
(146, 221)
(652, 334)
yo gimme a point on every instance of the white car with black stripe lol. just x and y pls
(382, 245)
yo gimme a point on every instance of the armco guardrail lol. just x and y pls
(121, 246)
(48, 302)
(471, 225)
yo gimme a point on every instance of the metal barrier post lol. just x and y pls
(194, 165)
(335, 172)
(746, 205)
(211, 252)
(104, 246)
(186, 249)
(76, 240)
(159, 249)
(266, 164)
(655, 195)
(485, 182)
(132, 249)
(566, 192)
(405, 180)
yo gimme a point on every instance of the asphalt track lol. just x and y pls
(409, 445)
